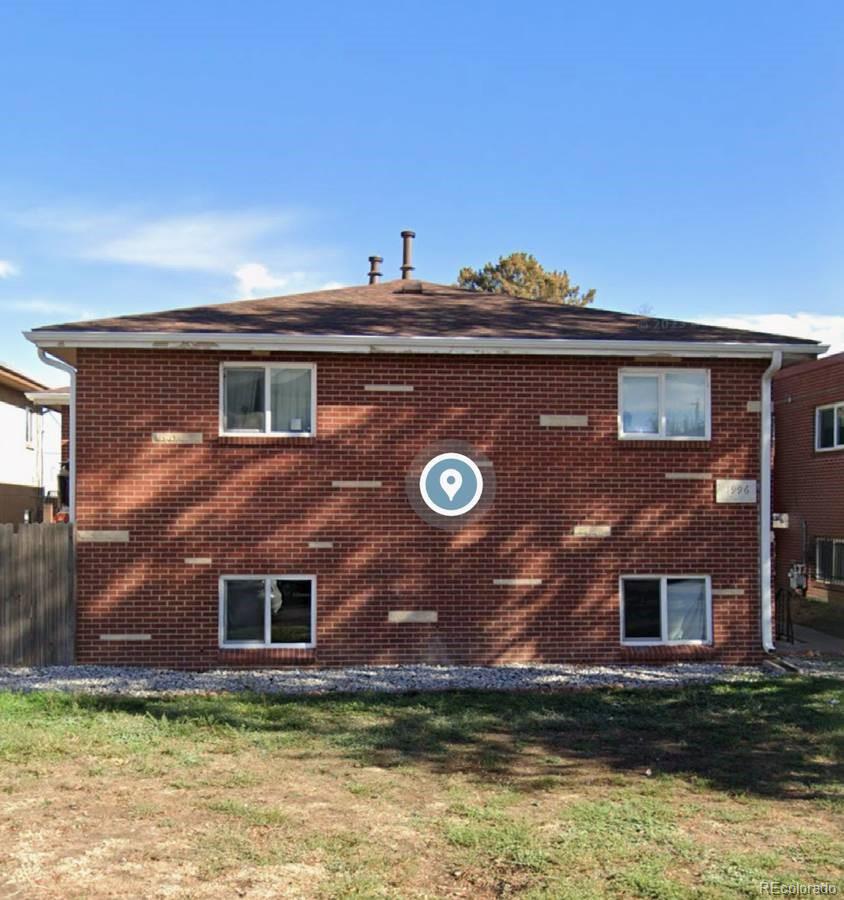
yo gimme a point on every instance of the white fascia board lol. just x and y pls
(390, 344)
(49, 398)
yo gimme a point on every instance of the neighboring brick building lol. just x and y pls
(809, 467)
(207, 538)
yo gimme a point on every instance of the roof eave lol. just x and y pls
(394, 344)
(49, 398)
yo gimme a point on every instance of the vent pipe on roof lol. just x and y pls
(407, 254)
(375, 268)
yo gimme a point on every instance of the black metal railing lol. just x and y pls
(784, 623)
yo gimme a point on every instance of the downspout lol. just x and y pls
(41, 502)
(765, 505)
(68, 369)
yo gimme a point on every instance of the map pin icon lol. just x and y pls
(450, 482)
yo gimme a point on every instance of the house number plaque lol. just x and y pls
(733, 490)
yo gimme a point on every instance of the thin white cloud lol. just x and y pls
(256, 280)
(828, 329)
(211, 242)
(7, 269)
(50, 307)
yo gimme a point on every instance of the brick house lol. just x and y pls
(249, 482)
(809, 473)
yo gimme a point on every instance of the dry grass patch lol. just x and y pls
(702, 792)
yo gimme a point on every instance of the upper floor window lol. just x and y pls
(829, 427)
(664, 404)
(276, 399)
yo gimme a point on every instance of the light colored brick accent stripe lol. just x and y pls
(727, 592)
(549, 421)
(754, 406)
(356, 484)
(517, 582)
(177, 437)
(399, 616)
(125, 637)
(102, 537)
(197, 560)
(592, 530)
(689, 476)
(389, 388)
(320, 545)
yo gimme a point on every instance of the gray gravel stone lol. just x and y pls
(808, 665)
(139, 682)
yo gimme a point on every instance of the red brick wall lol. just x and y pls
(64, 412)
(252, 504)
(808, 485)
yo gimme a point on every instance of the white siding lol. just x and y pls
(21, 464)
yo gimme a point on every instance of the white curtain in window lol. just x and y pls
(244, 399)
(290, 399)
(686, 601)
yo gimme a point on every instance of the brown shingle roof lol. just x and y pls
(416, 309)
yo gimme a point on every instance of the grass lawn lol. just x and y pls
(702, 792)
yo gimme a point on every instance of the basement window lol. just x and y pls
(664, 404)
(268, 611)
(829, 427)
(829, 560)
(274, 399)
(666, 609)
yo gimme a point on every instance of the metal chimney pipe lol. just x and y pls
(375, 268)
(407, 254)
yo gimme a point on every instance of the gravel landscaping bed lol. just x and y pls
(812, 665)
(393, 679)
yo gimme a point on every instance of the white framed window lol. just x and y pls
(829, 560)
(829, 427)
(29, 428)
(268, 611)
(272, 399)
(666, 609)
(664, 404)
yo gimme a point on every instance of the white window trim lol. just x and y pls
(836, 542)
(663, 611)
(662, 372)
(29, 428)
(267, 367)
(266, 643)
(835, 444)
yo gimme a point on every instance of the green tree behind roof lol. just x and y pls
(521, 275)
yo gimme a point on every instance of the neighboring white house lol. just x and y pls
(30, 449)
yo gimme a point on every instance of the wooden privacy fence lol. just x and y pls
(36, 595)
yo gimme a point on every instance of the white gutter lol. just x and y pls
(165, 340)
(765, 505)
(65, 367)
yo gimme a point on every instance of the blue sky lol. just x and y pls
(686, 157)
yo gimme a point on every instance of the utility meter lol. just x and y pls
(797, 579)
